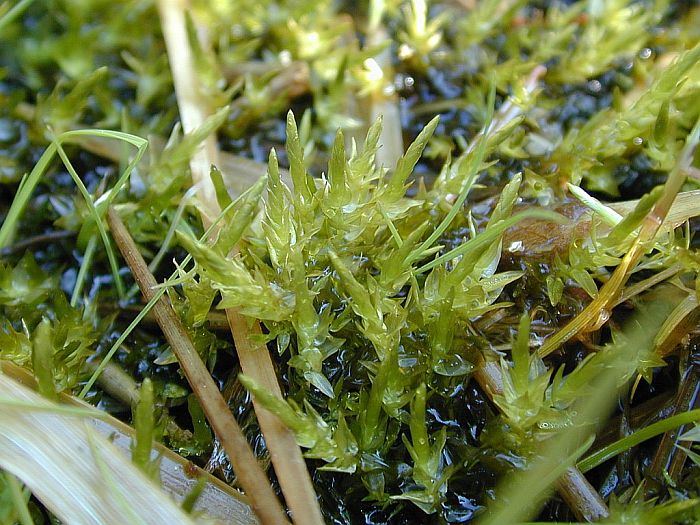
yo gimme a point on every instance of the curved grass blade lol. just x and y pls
(626, 443)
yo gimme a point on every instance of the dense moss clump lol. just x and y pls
(463, 230)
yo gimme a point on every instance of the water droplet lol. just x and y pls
(452, 366)
(515, 246)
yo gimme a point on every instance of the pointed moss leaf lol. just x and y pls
(277, 406)
(555, 289)
(585, 281)
(508, 198)
(669, 82)
(441, 333)
(144, 426)
(252, 292)
(428, 471)
(205, 60)
(365, 306)
(362, 164)
(372, 422)
(321, 382)
(309, 430)
(303, 186)
(404, 167)
(222, 196)
(338, 189)
(24, 284)
(63, 111)
(521, 355)
(43, 359)
(361, 300)
(395, 266)
(240, 216)
(166, 357)
(661, 125)
(74, 339)
(347, 449)
(453, 365)
(278, 225)
(419, 431)
(201, 431)
(14, 346)
(200, 295)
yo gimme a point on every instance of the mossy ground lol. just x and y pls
(380, 297)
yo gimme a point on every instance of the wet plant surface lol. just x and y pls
(452, 305)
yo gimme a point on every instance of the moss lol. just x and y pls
(383, 285)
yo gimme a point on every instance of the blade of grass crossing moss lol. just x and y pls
(218, 500)
(396, 187)
(159, 291)
(16, 11)
(119, 283)
(634, 439)
(620, 361)
(572, 486)
(82, 272)
(539, 478)
(29, 182)
(116, 490)
(612, 289)
(677, 325)
(24, 406)
(120, 340)
(54, 457)
(483, 239)
(607, 214)
(165, 246)
(251, 477)
(473, 168)
(24, 192)
(645, 284)
(139, 143)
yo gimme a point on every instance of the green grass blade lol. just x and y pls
(482, 240)
(111, 256)
(16, 11)
(636, 438)
(472, 172)
(24, 193)
(84, 266)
